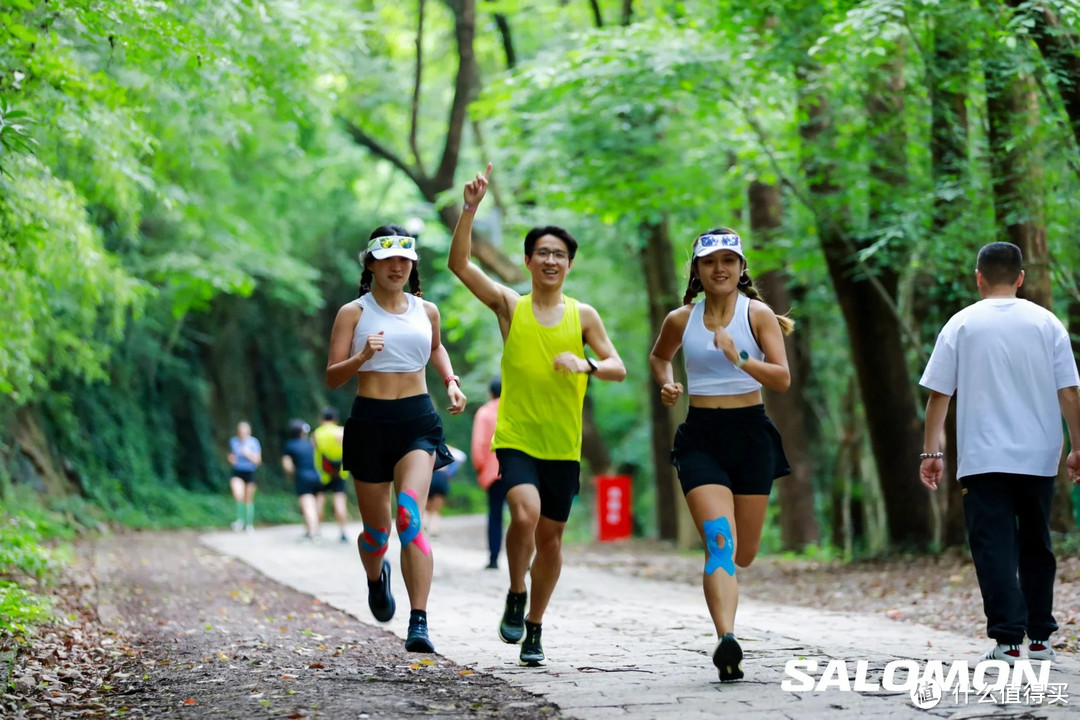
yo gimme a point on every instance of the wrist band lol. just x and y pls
(452, 378)
(931, 456)
(468, 208)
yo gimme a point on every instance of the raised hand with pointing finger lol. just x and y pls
(476, 188)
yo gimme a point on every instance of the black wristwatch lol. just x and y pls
(592, 366)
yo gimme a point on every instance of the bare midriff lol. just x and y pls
(712, 402)
(391, 385)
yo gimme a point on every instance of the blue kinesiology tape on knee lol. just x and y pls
(408, 522)
(374, 540)
(719, 557)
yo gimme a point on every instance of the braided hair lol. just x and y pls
(746, 285)
(367, 276)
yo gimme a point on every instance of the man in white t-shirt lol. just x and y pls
(1011, 364)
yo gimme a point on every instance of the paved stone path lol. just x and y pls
(635, 648)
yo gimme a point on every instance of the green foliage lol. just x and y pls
(14, 136)
(180, 208)
(21, 610)
(23, 559)
(67, 298)
(21, 549)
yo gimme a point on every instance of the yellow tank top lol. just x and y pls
(540, 409)
(328, 453)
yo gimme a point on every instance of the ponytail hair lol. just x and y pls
(366, 277)
(693, 286)
(414, 282)
(746, 287)
(365, 282)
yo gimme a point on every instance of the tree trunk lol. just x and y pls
(949, 157)
(867, 293)
(658, 264)
(847, 512)
(1074, 330)
(593, 447)
(798, 518)
(1013, 113)
(507, 38)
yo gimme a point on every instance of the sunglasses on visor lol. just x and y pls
(398, 241)
(725, 240)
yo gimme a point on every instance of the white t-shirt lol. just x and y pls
(1006, 359)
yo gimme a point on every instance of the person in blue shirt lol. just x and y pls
(245, 456)
(298, 459)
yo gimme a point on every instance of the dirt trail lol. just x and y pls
(182, 632)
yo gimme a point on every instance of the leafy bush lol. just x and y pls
(24, 560)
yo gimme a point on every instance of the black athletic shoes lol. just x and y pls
(512, 625)
(417, 640)
(727, 657)
(532, 652)
(379, 598)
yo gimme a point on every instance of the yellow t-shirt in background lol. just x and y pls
(327, 441)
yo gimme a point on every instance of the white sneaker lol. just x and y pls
(1040, 650)
(1008, 653)
(251, 529)
(237, 525)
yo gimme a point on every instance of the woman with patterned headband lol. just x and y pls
(728, 452)
(394, 438)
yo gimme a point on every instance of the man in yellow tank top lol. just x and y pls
(538, 431)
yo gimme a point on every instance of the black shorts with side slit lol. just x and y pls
(379, 433)
(739, 448)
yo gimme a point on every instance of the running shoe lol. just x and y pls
(532, 652)
(379, 598)
(727, 657)
(237, 525)
(1008, 653)
(512, 625)
(1040, 650)
(417, 640)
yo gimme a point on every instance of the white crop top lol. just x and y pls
(408, 336)
(708, 371)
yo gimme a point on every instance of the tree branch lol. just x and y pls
(507, 39)
(464, 87)
(598, 18)
(362, 138)
(414, 121)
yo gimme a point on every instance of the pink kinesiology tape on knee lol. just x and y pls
(408, 522)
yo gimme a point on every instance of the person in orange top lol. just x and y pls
(487, 469)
